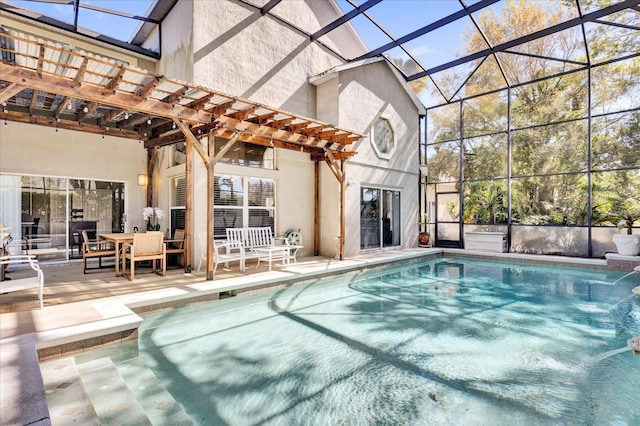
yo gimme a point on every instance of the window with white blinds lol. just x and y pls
(179, 193)
(238, 201)
(178, 202)
(241, 201)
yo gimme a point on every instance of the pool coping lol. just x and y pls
(122, 315)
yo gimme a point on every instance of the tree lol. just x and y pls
(548, 131)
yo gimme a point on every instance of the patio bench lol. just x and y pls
(18, 284)
(259, 243)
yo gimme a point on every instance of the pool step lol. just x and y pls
(160, 406)
(112, 400)
(66, 398)
(127, 392)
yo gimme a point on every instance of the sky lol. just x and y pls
(398, 17)
(114, 26)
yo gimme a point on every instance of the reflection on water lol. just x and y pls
(444, 341)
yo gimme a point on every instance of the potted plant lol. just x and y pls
(626, 242)
(424, 236)
(624, 213)
(152, 215)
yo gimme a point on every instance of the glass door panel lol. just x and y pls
(380, 224)
(448, 219)
(369, 218)
(43, 210)
(96, 207)
(391, 218)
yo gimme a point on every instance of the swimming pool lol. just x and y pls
(441, 341)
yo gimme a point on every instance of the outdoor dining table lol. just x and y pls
(117, 239)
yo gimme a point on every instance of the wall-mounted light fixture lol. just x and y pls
(142, 180)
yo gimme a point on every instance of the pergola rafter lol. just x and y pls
(100, 89)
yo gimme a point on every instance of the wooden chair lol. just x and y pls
(175, 245)
(95, 249)
(145, 246)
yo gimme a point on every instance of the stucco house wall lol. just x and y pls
(177, 48)
(27, 149)
(367, 92)
(230, 47)
(238, 51)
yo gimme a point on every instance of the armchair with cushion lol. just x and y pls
(145, 246)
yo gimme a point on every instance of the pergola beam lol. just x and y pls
(190, 138)
(46, 83)
(10, 91)
(58, 123)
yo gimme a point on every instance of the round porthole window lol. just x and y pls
(383, 137)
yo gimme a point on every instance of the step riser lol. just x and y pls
(127, 392)
(110, 396)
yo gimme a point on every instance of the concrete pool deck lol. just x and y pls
(78, 306)
(84, 311)
(81, 306)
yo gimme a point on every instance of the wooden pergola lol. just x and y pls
(55, 85)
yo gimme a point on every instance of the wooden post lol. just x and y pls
(193, 144)
(152, 157)
(316, 211)
(338, 172)
(210, 188)
(342, 198)
(188, 206)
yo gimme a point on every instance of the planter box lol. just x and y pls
(486, 241)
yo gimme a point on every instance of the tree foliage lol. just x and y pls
(549, 129)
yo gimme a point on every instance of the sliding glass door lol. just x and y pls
(380, 221)
(46, 215)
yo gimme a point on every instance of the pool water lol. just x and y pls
(444, 341)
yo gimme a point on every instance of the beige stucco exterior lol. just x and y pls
(229, 47)
(366, 92)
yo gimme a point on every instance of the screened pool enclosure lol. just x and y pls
(540, 140)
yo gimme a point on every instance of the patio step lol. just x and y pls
(129, 393)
